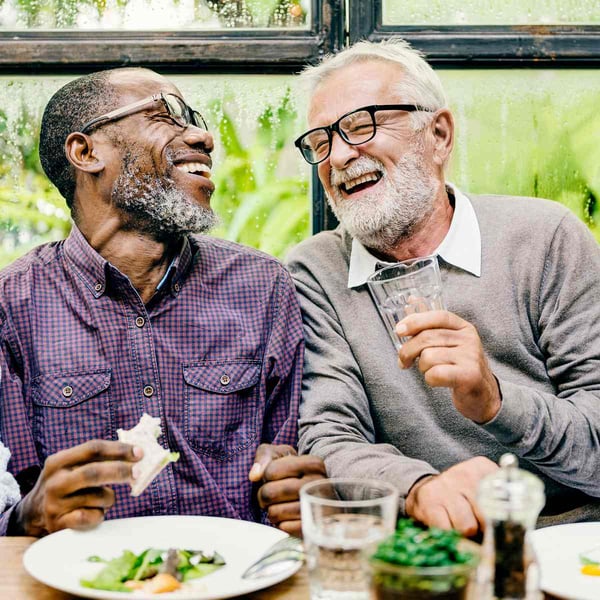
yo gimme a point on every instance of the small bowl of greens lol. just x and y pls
(421, 564)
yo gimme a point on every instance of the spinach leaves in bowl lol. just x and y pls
(416, 563)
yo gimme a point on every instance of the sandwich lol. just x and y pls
(155, 459)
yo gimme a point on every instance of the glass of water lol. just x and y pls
(404, 288)
(342, 522)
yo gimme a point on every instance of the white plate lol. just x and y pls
(557, 549)
(60, 560)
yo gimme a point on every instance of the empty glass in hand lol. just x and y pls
(405, 288)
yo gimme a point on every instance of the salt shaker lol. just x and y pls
(511, 500)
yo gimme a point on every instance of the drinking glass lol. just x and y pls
(405, 288)
(342, 522)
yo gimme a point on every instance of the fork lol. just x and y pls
(277, 559)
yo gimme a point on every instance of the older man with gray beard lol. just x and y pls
(132, 314)
(512, 365)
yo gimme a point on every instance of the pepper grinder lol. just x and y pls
(510, 500)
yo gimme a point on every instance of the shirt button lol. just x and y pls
(225, 379)
(148, 391)
(140, 321)
(177, 287)
(67, 391)
(98, 287)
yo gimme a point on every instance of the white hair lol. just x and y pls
(420, 84)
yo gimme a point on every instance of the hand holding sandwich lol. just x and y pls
(282, 473)
(72, 489)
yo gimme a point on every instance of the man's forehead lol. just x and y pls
(134, 84)
(353, 86)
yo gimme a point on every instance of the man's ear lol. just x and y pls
(443, 133)
(82, 154)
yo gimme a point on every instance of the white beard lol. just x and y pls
(155, 205)
(382, 218)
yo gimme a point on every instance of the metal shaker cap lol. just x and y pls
(511, 493)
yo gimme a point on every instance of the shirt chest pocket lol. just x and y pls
(70, 409)
(222, 415)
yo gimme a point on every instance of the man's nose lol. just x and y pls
(342, 153)
(196, 136)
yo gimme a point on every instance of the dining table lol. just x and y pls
(17, 584)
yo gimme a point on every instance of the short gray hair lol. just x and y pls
(421, 85)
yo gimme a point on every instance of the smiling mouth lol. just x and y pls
(195, 168)
(361, 183)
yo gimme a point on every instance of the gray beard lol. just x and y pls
(156, 206)
(384, 217)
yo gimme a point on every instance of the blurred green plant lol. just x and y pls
(63, 14)
(31, 209)
(539, 148)
(259, 205)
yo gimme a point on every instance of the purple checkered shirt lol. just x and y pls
(216, 354)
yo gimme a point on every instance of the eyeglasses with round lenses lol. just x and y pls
(356, 127)
(176, 108)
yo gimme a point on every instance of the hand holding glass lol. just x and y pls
(342, 522)
(405, 288)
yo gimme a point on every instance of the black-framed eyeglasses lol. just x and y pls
(355, 127)
(176, 108)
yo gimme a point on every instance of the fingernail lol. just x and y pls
(135, 471)
(255, 471)
(400, 329)
(138, 452)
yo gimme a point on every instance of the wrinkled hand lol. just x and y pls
(72, 489)
(451, 355)
(448, 500)
(283, 473)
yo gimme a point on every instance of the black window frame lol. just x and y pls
(248, 51)
(477, 46)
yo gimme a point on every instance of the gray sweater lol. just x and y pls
(536, 307)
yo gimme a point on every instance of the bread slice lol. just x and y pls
(155, 458)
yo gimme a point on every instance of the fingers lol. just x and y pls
(417, 322)
(286, 516)
(92, 451)
(285, 511)
(94, 474)
(291, 527)
(450, 511)
(82, 510)
(294, 466)
(265, 454)
(71, 489)
(448, 500)
(285, 476)
(81, 519)
(438, 342)
(283, 490)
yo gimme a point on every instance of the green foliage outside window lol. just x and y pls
(258, 205)
(517, 133)
(170, 14)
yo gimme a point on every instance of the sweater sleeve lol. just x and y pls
(560, 433)
(335, 418)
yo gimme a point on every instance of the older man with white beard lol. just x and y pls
(512, 365)
(132, 314)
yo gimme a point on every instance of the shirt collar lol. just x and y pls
(90, 266)
(461, 247)
(93, 268)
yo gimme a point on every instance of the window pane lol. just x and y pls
(147, 15)
(261, 181)
(496, 12)
(528, 132)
